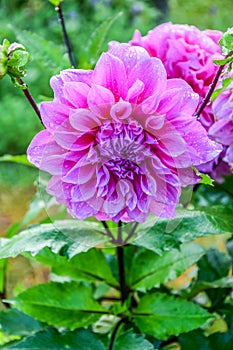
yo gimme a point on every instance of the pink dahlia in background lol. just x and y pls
(186, 53)
(222, 129)
(120, 140)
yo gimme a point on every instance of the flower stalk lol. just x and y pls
(211, 89)
(121, 269)
(29, 97)
(58, 8)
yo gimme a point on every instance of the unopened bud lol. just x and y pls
(3, 58)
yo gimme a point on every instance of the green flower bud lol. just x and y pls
(4, 58)
(18, 57)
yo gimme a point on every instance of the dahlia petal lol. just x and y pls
(77, 75)
(154, 80)
(187, 177)
(81, 210)
(53, 114)
(222, 131)
(55, 188)
(114, 207)
(229, 155)
(150, 105)
(121, 110)
(103, 176)
(83, 120)
(37, 146)
(76, 93)
(137, 38)
(162, 209)
(154, 122)
(129, 55)
(178, 97)
(83, 192)
(79, 176)
(100, 100)
(134, 91)
(110, 73)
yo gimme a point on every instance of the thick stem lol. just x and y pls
(121, 269)
(119, 235)
(65, 35)
(211, 89)
(30, 98)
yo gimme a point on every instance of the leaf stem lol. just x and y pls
(121, 269)
(114, 333)
(109, 233)
(30, 98)
(211, 89)
(131, 233)
(65, 35)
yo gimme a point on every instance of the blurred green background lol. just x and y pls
(34, 23)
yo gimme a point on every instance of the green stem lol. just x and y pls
(114, 333)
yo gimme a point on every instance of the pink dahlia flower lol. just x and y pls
(222, 129)
(120, 140)
(186, 53)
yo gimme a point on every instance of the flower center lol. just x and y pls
(120, 148)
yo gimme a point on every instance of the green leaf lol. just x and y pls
(90, 266)
(47, 53)
(220, 194)
(150, 270)
(200, 286)
(205, 179)
(69, 304)
(194, 340)
(14, 322)
(74, 236)
(222, 62)
(55, 2)
(225, 83)
(229, 245)
(95, 44)
(164, 234)
(227, 41)
(20, 159)
(213, 265)
(221, 341)
(131, 341)
(161, 315)
(52, 339)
